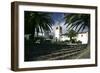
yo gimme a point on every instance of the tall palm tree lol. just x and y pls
(72, 34)
(77, 21)
(36, 22)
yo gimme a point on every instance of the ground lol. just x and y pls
(57, 52)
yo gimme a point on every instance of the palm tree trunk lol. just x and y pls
(33, 35)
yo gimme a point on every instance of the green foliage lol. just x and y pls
(40, 39)
(36, 22)
(77, 21)
(79, 42)
(51, 36)
(72, 34)
(73, 41)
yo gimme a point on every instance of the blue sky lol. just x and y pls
(58, 17)
(59, 20)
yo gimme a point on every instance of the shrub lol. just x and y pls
(79, 42)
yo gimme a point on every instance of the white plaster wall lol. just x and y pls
(83, 37)
(57, 32)
(63, 38)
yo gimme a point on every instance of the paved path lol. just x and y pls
(84, 54)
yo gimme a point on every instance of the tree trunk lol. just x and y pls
(33, 35)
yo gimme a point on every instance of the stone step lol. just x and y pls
(58, 53)
(63, 56)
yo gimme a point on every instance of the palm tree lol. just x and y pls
(71, 35)
(77, 21)
(36, 22)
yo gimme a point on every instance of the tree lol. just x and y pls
(72, 34)
(36, 22)
(51, 36)
(77, 21)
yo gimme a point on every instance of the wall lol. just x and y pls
(5, 37)
(83, 37)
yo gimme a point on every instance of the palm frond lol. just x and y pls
(77, 21)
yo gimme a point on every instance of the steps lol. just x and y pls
(65, 53)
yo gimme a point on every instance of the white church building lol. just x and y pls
(81, 36)
(59, 36)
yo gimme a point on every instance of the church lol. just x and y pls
(81, 36)
(59, 36)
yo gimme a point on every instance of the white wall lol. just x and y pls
(83, 37)
(5, 37)
(58, 32)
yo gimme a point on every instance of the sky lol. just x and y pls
(59, 20)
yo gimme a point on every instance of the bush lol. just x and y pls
(79, 42)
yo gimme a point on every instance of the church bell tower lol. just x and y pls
(58, 32)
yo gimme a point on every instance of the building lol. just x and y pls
(59, 36)
(58, 32)
(81, 36)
